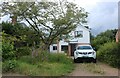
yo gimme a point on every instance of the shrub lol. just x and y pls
(23, 51)
(104, 37)
(29, 59)
(9, 66)
(53, 57)
(7, 51)
(55, 65)
(44, 69)
(109, 53)
(61, 58)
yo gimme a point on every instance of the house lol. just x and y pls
(81, 35)
(118, 36)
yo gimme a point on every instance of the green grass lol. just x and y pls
(55, 65)
(92, 67)
(44, 69)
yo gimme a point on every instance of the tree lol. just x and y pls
(49, 19)
(103, 37)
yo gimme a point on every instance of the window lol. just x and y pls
(83, 47)
(78, 33)
(54, 47)
(64, 48)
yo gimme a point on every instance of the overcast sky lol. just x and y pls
(103, 14)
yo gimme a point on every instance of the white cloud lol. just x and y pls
(103, 16)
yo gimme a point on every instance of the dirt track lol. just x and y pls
(91, 69)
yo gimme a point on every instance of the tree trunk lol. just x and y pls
(34, 51)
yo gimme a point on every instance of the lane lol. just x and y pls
(92, 69)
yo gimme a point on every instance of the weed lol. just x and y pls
(93, 68)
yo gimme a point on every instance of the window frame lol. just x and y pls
(54, 47)
(78, 34)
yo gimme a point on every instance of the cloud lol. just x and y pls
(103, 16)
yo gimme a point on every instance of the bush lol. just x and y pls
(44, 69)
(55, 65)
(104, 37)
(53, 58)
(29, 59)
(23, 51)
(60, 58)
(109, 53)
(9, 66)
(7, 50)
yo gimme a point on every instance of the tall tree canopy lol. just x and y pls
(103, 37)
(49, 19)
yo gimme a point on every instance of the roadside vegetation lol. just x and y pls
(53, 66)
(108, 51)
(18, 57)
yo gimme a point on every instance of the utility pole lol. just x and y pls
(118, 32)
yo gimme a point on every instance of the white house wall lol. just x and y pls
(84, 39)
(51, 48)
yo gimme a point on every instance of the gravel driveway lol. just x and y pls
(93, 69)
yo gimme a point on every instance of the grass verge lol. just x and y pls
(56, 65)
(44, 69)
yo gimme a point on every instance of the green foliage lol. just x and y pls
(9, 66)
(20, 35)
(102, 38)
(44, 69)
(30, 60)
(29, 66)
(8, 28)
(7, 49)
(109, 53)
(52, 58)
(51, 23)
(59, 58)
(109, 33)
(14, 30)
(23, 51)
(108, 50)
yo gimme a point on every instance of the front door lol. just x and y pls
(73, 46)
